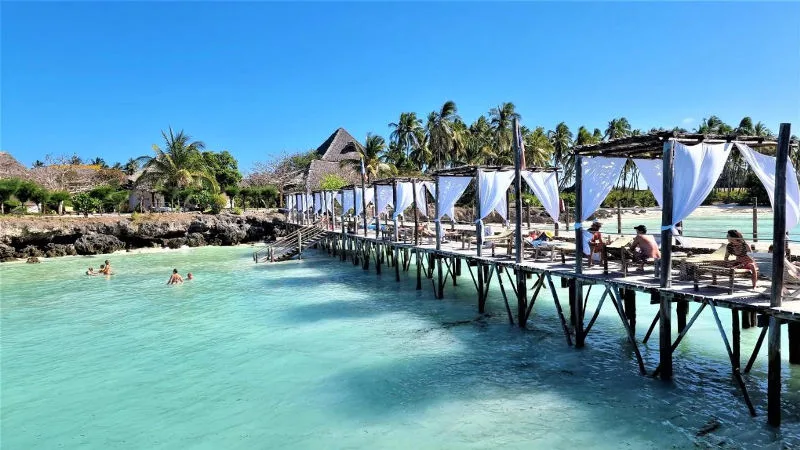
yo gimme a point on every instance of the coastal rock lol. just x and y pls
(30, 251)
(53, 250)
(95, 244)
(7, 253)
(175, 243)
(195, 240)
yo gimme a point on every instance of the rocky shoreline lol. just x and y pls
(53, 236)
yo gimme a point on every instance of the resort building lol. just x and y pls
(340, 146)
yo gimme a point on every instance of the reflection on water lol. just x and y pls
(321, 354)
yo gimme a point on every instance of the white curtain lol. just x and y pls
(339, 198)
(347, 200)
(298, 202)
(328, 201)
(369, 195)
(652, 171)
(545, 186)
(450, 190)
(421, 195)
(764, 168)
(696, 171)
(600, 174)
(493, 187)
(405, 197)
(384, 199)
(317, 205)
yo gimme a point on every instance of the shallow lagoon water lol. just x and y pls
(321, 354)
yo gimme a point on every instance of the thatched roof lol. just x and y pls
(11, 168)
(320, 168)
(652, 145)
(339, 146)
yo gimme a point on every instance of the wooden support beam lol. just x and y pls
(665, 335)
(558, 309)
(666, 217)
(746, 323)
(794, 342)
(682, 310)
(778, 258)
(736, 338)
(481, 300)
(419, 269)
(522, 291)
(736, 374)
(630, 308)
(577, 299)
(756, 349)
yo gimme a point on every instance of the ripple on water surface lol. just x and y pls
(320, 354)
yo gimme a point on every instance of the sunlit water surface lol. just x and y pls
(321, 354)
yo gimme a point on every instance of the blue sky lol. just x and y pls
(102, 79)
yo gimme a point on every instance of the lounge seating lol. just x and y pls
(503, 238)
(700, 266)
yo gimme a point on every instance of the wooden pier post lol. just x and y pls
(778, 258)
(479, 221)
(619, 218)
(416, 212)
(755, 219)
(377, 213)
(736, 336)
(746, 322)
(522, 291)
(665, 301)
(419, 269)
(794, 342)
(439, 285)
(682, 310)
(630, 308)
(577, 300)
(363, 202)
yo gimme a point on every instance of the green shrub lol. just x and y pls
(84, 203)
(218, 201)
(237, 211)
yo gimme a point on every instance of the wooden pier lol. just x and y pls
(439, 263)
(437, 268)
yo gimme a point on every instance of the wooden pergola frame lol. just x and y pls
(662, 145)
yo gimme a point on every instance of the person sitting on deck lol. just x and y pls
(175, 278)
(739, 248)
(536, 237)
(596, 243)
(643, 247)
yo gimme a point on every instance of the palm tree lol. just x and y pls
(478, 149)
(407, 132)
(745, 127)
(561, 139)
(98, 161)
(500, 118)
(131, 167)
(538, 149)
(38, 163)
(371, 154)
(178, 165)
(759, 129)
(618, 128)
(439, 130)
(714, 125)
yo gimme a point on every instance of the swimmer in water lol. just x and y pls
(189, 276)
(107, 269)
(175, 278)
(91, 271)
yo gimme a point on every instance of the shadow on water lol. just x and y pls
(503, 362)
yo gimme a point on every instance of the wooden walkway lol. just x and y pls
(520, 286)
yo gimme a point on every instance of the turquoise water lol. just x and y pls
(321, 354)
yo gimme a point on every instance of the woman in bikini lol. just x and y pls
(738, 247)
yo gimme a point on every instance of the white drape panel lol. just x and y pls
(298, 202)
(317, 205)
(327, 204)
(421, 196)
(600, 174)
(652, 171)
(369, 196)
(339, 198)
(384, 199)
(764, 168)
(347, 200)
(545, 186)
(697, 169)
(404, 199)
(450, 190)
(493, 187)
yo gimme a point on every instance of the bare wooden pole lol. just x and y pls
(522, 291)
(416, 212)
(577, 299)
(619, 218)
(755, 219)
(439, 285)
(479, 221)
(778, 258)
(665, 306)
(377, 213)
(364, 201)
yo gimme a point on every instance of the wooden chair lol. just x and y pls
(618, 246)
